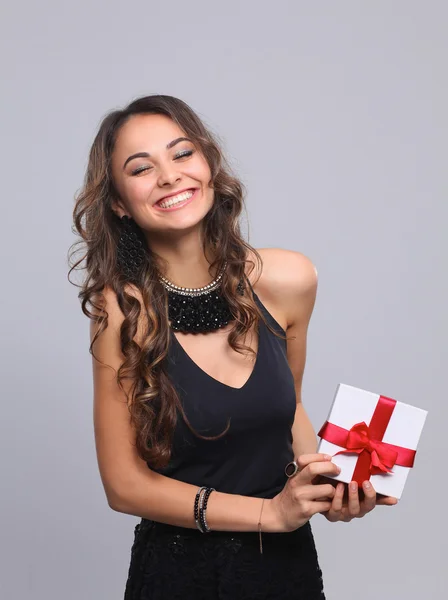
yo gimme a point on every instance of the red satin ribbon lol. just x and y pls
(375, 456)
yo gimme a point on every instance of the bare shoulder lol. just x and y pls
(286, 284)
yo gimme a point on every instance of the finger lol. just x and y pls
(353, 499)
(318, 492)
(338, 498)
(369, 502)
(308, 473)
(324, 479)
(386, 500)
(321, 507)
(335, 512)
(305, 459)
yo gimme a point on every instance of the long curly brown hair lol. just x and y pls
(152, 400)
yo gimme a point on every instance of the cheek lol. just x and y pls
(201, 169)
(138, 188)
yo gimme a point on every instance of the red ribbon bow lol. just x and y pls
(382, 458)
(375, 456)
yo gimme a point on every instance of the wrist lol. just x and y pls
(270, 523)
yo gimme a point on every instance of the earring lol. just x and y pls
(130, 248)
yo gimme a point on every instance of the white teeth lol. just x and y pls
(176, 199)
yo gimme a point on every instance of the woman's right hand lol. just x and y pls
(300, 499)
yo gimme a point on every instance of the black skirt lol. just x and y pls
(169, 562)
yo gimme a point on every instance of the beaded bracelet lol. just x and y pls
(203, 508)
(200, 507)
(199, 493)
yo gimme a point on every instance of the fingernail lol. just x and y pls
(367, 485)
(327, 457)
(353, 486)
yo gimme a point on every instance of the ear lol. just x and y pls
(118, 207)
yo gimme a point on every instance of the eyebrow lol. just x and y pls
(147, 155)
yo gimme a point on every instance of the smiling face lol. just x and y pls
(153, 161)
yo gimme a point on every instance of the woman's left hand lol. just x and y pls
(345, 507)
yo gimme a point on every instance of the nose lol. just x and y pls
(168, 174)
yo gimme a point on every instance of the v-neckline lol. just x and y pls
(213, 379)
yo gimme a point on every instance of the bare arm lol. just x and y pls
(302, 299)
(290, 284)
(130, 486)
(303, 434)
(168, 500)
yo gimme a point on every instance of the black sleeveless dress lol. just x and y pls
(169, 562)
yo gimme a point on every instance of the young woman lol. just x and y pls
(198, 343)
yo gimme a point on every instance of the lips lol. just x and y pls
(184, 200)
(175, 194)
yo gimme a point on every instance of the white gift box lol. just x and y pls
(393, 428)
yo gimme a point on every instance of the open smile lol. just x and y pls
(176, 202)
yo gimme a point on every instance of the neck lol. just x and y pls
(182, 260)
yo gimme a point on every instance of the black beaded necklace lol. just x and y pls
(198, 310)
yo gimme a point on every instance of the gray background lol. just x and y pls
(334, 116)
